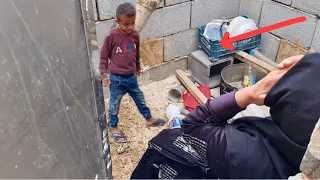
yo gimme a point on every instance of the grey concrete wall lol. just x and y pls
(48, 111)
(203, 11)
(304, 35)
(252, 8)
(273, 12)
(175, 20)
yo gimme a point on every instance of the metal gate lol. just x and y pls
(49, 102)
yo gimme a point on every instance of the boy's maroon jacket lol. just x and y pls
(123, 52)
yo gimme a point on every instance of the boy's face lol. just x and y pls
(126, 24)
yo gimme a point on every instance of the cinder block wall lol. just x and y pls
(285, 42)
(171, 32)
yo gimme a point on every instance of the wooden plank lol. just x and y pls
(197, 94)
(254, 62)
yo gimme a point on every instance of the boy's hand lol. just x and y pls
(138, 73)
(105, 80)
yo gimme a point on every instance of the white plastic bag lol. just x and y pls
(172, 112)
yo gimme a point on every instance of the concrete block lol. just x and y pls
(103, 30)
(252, 8)
(207, 72)
(173, 2)
(288, 49)
(95, 59)
(212, 82)
(167, 69)
(167, 21)
(204, 11)
(199, 61)
(180, 44)
(311, 6)
(273, 12)
(162, 4)
(269, 46)
(95, 11)
(287, 2)
(151, 52)
(316, 39)
(158, 73)
(107, 8)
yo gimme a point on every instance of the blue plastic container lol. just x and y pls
(215, 51)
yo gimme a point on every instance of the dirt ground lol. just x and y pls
(138, 135)
(133, 125)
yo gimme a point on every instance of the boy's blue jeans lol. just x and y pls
(119, 86)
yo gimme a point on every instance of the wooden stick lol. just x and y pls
(254, 62)
(191, 87)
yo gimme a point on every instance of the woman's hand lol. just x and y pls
(257, 93)
(262, 88)
(290, 62)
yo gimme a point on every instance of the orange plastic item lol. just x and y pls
(190, 102)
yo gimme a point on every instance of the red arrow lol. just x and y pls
(226, 42)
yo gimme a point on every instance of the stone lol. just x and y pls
(288, 49)
(151, 52)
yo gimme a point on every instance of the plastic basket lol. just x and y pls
(215, 50)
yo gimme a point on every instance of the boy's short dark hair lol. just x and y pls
(125, 10)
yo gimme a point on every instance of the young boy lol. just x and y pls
(121, 47)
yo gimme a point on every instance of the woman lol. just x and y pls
(249, 147)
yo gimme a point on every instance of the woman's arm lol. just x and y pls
(244, 97)
(217, 110)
